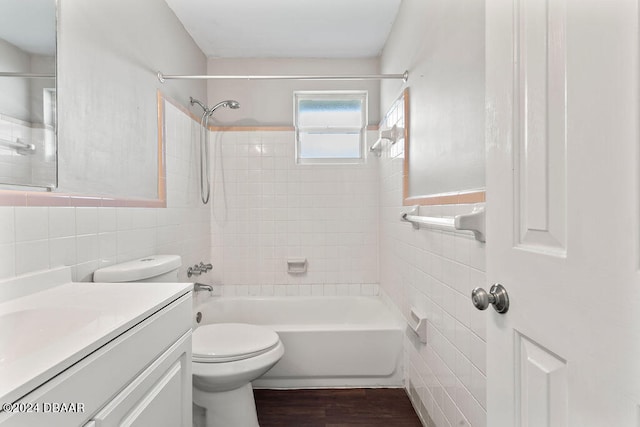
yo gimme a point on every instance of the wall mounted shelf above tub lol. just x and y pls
(392, 135)
(473, 221)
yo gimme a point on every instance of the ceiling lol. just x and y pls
(288, 28)
(29, 25)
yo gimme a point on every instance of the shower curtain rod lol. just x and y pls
(404, 76)
(27, 75)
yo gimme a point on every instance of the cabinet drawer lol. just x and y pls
(160, 396)
(99, 377)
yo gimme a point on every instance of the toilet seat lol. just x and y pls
(227, 342)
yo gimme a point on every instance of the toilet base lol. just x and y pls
(228, 408)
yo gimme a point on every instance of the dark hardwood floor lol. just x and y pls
(335, 408)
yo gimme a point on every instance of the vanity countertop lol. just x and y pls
(44, 333)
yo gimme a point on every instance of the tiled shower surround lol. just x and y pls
(345, 220)
(268, 209)
(86, 238)
(434, 271)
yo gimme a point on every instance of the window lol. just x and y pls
(330, 126)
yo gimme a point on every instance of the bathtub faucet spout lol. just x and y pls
(201, 287)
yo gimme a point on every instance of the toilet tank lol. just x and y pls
(154, 268)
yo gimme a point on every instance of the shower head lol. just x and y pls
(229, 103)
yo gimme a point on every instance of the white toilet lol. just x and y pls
(226, 356)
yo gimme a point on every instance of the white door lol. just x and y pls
(562, 205)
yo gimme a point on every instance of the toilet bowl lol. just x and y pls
(226, 358)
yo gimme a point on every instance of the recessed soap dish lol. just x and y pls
(297, 265)
(418, 324)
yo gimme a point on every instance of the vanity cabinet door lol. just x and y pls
(159, 396)
(144, 361)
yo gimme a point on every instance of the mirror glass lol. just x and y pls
(447, 164)
(28, 93)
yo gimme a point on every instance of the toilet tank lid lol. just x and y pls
(139, 269)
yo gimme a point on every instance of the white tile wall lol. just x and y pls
(435, 271)
(315, 290)
(270, 209)
(86, 238)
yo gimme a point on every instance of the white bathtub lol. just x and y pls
(329, 341)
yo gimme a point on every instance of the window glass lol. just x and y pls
(329, 146)
(334, 113)
(330, 126)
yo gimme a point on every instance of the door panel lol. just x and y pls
(163, 404)
(542, 390)
(159, 396)
(562, 212)
(539, 27)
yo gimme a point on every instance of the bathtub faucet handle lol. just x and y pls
(205, 267)
(194, 271)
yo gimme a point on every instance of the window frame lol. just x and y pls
(337, 95)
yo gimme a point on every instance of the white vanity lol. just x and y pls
(94, 354)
